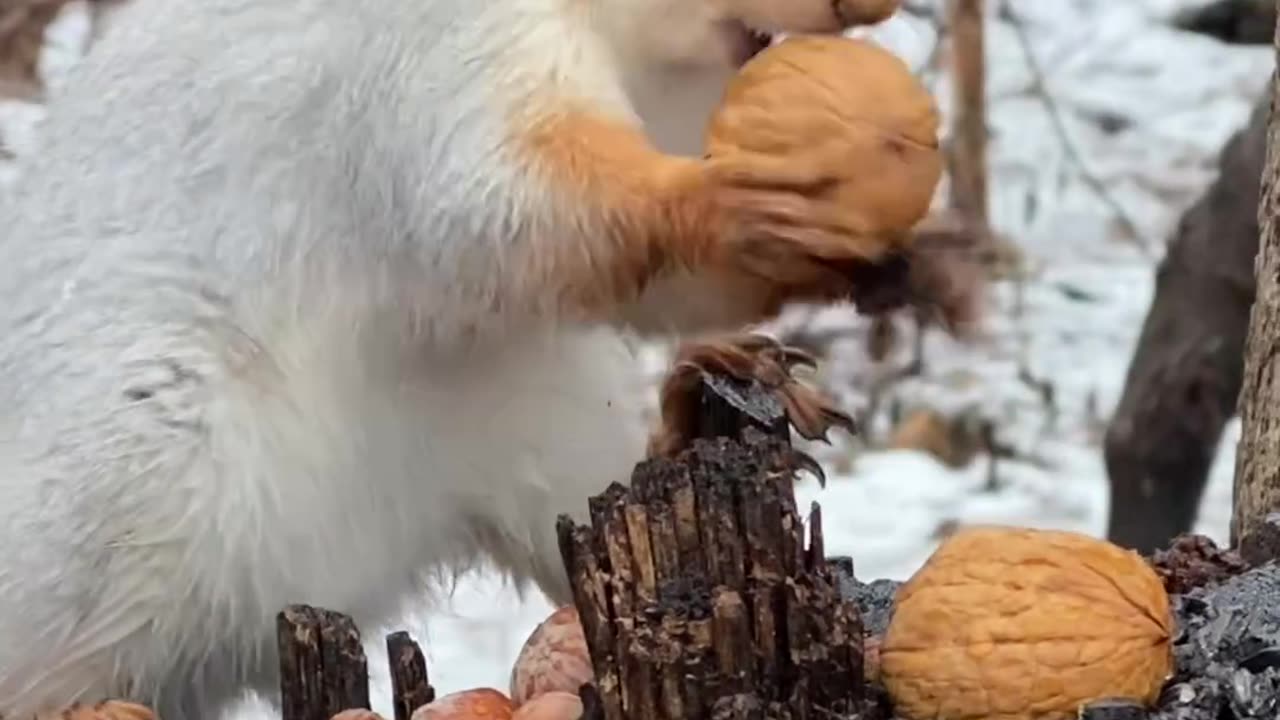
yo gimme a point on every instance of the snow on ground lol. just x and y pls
(1148, 108)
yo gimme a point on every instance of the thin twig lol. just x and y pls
(1041, 89)
(933, 60)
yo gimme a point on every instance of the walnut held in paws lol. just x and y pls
(1023, 624)
(862, 109)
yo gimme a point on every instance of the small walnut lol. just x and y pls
(554, 705)
(555, 657)
(1016, 624)
(476, 704)
(357, 714)
(850, 98)
(953, 441)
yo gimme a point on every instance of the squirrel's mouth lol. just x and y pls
(745, 42)
(757, 41)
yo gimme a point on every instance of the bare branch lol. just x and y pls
(1041, 89)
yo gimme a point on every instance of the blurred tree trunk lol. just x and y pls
(967, 151)
(1257, 482)
(22, 26)
(1185, 374)
(1241, 22)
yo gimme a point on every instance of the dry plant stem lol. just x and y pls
(699, 597)
(323, 670)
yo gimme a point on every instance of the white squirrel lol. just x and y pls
(304, 299)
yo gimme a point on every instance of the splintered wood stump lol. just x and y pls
(700, 598)
(323, 670)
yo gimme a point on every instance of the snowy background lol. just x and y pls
(1148, 109)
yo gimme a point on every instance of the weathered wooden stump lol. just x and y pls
(698, 594)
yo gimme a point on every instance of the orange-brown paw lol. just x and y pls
(747, 357)
(785, 226)
(108, 710)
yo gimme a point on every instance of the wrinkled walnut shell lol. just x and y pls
(1015, 624)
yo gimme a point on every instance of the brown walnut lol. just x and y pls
(1019, 624)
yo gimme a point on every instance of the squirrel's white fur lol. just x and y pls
(257, 340)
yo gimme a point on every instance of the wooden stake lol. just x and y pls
(410, 687)
(323, 670)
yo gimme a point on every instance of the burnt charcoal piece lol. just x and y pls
(842, 566)
(1199, 699)
(1263, 544)
(1113, 709)
(874, 599)
(1229, 623)
(1227, 650)
(1261, 660)
(729, 405)
(1193, 561)
(592, 707)
(1237, 695)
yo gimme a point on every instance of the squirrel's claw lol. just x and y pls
(746, 356)
(805, 461)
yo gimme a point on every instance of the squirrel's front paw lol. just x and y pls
(108, 710)
(783, 225)
(745, 356)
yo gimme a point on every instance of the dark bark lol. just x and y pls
(1184, 377)
(1257, 486)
